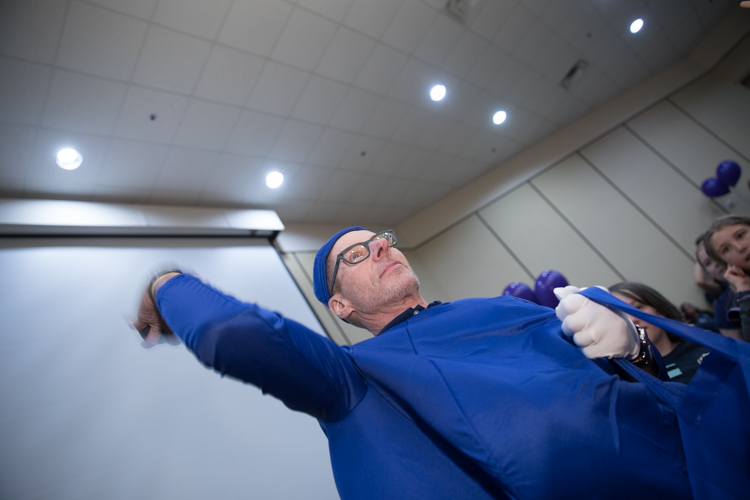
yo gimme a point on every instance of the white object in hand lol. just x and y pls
(600, 331)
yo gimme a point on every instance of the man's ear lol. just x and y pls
(340, 306)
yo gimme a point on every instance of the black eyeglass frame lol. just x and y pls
(365, 244)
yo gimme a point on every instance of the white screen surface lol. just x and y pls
(88, 413)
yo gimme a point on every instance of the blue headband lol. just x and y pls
(320, 283)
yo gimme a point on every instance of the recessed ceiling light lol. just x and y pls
(499, 117)
(437, 93)
(274, 179)
(636, 26)
(69, 159)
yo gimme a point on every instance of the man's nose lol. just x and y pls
(378, 249)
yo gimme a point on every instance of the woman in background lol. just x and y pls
(681, 357)
(728, 243)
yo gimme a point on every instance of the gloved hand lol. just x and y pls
(600, 331)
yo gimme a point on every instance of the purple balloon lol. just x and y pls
(713, 187)
(520, 290)
(545, 284)
(728, 172)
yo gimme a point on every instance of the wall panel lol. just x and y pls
(627, 239)
(671, 201)
(542, 239)
(468, 261)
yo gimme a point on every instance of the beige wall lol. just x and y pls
(626, 205)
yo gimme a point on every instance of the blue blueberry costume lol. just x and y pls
(474, 399)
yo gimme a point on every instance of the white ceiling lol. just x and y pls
(332, 93)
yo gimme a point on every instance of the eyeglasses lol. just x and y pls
(360, 251)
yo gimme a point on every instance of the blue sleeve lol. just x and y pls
(308, 372)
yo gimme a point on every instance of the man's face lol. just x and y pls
(385, 277)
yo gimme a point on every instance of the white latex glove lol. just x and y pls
(600, 331)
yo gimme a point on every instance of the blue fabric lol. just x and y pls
(713, 412)
(475, 399)
(320, 283)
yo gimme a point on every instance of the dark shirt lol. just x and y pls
(684, 360)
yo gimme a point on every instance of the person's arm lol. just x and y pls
(306, 371)
(740, 282)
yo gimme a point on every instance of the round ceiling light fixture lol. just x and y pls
(499, 117)
(274, 179)
(69, 159)
(437, 92)
(636, 25)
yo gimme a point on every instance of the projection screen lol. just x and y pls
(87, 413)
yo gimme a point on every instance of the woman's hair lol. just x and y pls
(649, 297)
(718, 224)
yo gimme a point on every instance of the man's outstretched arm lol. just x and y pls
(306, 371)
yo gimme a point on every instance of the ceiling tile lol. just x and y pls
(206, 124)
(278, 88)
(514, 30)
(82, 103)
(487, 67)
(391, 158)
(413, 126)
(308, 182)
(381, 69)
(386, 119)
(346, 55)
(231, 176)
(100, 42)
(319, 100)
(23, 87)
(323, 211)
(332, 9)
(356, 109)
(533, 42)
(186, 169)
(555, 59)
(17, 144)
(440, 41)
(143, 9)
(455, 141)
(254, 133)
(437, 133)
(140, 103)
(506, 79)
(45, 176)
(368, 189)
(414, 83)
(465, 54)
(410, 26)
(340, 186)
(415, 163)
(523, 87)
(133, 164)
(372, 18)
(370, 146)
(292, 210)
(173, 197)
(196, 17)
(331, 148)
(394, 191)
(171, 61)
(255, 25)
(493, 14)
(295, 141)
(30, 29)
(304, 40)
(229, 76)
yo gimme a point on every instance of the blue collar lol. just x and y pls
(408, 314)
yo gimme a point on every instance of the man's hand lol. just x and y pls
(600, 331)
(149, 322)
(739, 281)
